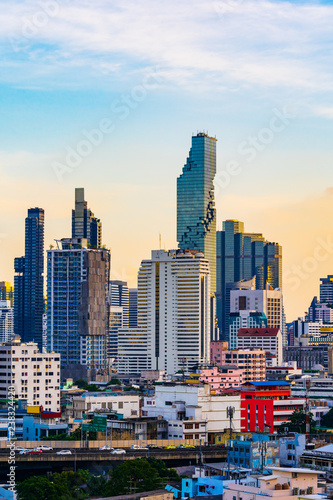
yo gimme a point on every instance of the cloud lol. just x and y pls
(262, 43)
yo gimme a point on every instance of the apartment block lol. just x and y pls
(251, 361)
(268, 339)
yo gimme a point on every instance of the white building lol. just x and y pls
(268, 301)
(268, 339)
(34, 375)
(192, 412)
(6, 321)
(173, 315)
(124, 404)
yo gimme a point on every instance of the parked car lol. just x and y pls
(118, 451)
(33, 452)
(137, 447)
(43, 447)
(106, 448)
(64, 452)
(153, 447)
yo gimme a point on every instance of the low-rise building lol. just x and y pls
(291, 449)
(36, 428)
(138, 429)
(192, 412)
(251, 361)
(254, 454)
(319, 458)
(220, 378)
(125, 404)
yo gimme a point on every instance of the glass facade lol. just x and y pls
(84, 223)
(196, 213)
(242, 257)
(29, 281)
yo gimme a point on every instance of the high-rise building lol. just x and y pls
(242, 257)
(34, 375)
(78, 302)
(84, 223)
(244, 319)
(6, 321)
(173, 315)
(326, 289)
(196, 213)
(133, 308)
(119, 297)
(7, 292)
(29, 281)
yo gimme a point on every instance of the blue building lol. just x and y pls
(202, 486)
(29, 281)
(35, 428)
(255, 454)
(196, 213)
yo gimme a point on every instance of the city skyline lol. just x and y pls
(256, 74)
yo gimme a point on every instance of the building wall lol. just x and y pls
(268, 339)
(252, 362)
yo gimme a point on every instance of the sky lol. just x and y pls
(106, 95)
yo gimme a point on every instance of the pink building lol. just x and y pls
(221, 378)
(216, 349)
(251, 361)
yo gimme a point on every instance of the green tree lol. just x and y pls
(327, 419)
(297, 423)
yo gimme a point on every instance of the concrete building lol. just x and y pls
(84, 224)
(251, 361)
(216, 349)
(306, 357)
(268, 339)
(78, 303)
(283, 484)
(291, 449)
(286, 371)
(7, 292)
(124, 404)
(326, 289)
(244, 319)
(6, 321)
(255, 453)
(36, 428)
(35, 375)
(220, 378)
(321, 387)
(173, 331)
(320, 459)
(192, 412)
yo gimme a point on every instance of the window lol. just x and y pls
(168, 403)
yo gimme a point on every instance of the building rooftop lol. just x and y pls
(267, 383)
(258, 332)
(295, 469)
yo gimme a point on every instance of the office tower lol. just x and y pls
(196, 213)
(133, 308)
(326, 289)
(6, 321)
(7, 292)
(34, 375)
(29, 281)
(241, 258)
(78, 302)
(119, 297)
(173, 315)
(84, 223)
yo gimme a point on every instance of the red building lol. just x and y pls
(266, 405)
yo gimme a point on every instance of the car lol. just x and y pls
(33, 452)
(19, 448)
(170, 447)
(24, 452)
(137, 447)
(186, 446)
(153, 447)
(43, 447)
(106, 448)
(118, 451)
(64, 452)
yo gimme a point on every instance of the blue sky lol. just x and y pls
(226, 67)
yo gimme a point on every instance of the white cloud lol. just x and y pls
(261, 43)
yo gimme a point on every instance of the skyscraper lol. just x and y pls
(133, 308)
(7, 292)
(326, 289)
(28, 289)
(6, 321)
(196, 213)
(84, 223)
(243, 258)
(119, 297)
(173, 315)
(78, 303)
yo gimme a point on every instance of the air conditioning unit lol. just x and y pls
(295, 491)
(302, 492)
(310, 490)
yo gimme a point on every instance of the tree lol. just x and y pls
(327, 419)
(297, 423)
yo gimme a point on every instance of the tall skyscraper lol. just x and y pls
(242, 258)
(6, 321)
(196, 213)
(84, 223)
(173, 315)
(326, 289)
(119, 297)
(29, 281)
(78, 303)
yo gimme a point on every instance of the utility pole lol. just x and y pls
(230, 415)
(307, 408)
